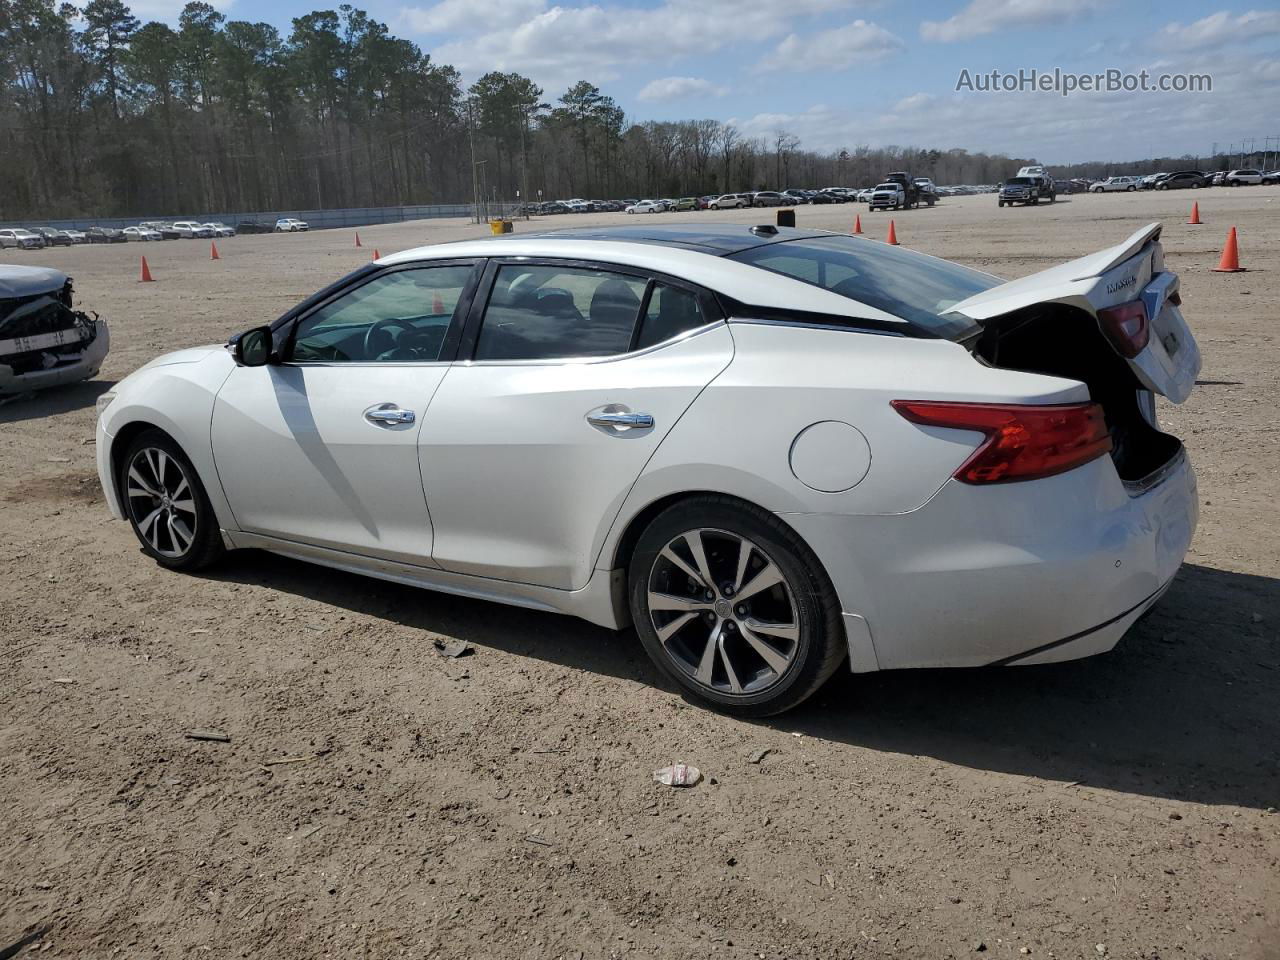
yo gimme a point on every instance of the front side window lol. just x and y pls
(398, 317)
(550, 312)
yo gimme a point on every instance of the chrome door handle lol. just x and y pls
(388, 415)
(620, 420)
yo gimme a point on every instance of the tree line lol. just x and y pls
(103, 115)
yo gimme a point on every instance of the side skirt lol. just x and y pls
(594, 603)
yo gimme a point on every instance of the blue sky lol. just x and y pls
(848, 72)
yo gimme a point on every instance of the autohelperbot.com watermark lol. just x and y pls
(1065, 83)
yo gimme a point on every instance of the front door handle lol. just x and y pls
(620, 419)
(388, 415)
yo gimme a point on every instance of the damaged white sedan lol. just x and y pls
(771, 450)
(44, 340)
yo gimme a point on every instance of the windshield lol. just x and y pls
(1019, 181)
(909, 285)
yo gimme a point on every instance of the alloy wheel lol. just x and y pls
(723, 611)
(162, 502)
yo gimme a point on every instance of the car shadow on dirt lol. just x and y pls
(1185, 708)
(53, 401)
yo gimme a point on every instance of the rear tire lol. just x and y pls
(759, 646)
(166, 504)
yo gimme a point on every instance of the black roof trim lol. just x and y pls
(736, 309)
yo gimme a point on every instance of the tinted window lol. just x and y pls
(908, 285)
(398, 317)
(671, 312)
(546, 312)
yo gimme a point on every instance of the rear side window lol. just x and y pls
(549, 312)
(916, 288)
(671, 312)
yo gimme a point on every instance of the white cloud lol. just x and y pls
(468, 16)
(167, 11)
(563, 43)
(988, 16)
(1218, 30)
(857, 43)
(665, 89)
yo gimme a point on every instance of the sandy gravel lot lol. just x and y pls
(501, 805)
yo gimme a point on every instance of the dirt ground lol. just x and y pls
(501, 805)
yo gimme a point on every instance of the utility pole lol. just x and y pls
(476, 198)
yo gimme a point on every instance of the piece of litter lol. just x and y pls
(58, 459)
(201, 630)
(217, 736)
(678, 775)
(310, 831)
(453, 648)
(63, 680)
(757, 755)
(540, 841)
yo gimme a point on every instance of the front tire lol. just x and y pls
(167, 505)
(733, 606)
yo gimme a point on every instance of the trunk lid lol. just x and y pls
(1132, 270)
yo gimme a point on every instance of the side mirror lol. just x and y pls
(253, 347)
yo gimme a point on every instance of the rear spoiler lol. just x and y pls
(1070, 282)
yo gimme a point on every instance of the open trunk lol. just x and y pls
(1110, 320)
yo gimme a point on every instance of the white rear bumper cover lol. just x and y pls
(1033, 572)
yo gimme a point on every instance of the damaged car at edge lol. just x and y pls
(44, 340)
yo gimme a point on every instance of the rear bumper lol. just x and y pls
(1031, 572)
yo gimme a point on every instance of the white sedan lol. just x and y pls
(141, 233)
(771, 450)
(646, 206)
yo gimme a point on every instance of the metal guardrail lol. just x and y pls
(316, 219)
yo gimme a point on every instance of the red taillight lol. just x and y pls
(1023, 442)
(1126, 327)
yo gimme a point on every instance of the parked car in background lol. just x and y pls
(553, 207)
(1272, 176)
(864, 195)
(797, 196)
(52, 237)
(888, 196)
(142, 234)
(1216, 179)
(730, 201)
(767, 198)
(1024, 190)
(77, 236)
(44, 340)
(1183, 179)
(21, 239)
(193, 229)
(928, 192)
(105, 235)
(1149, 181)
(291, 225)
(1113, 184)
(254, 226)
(1242, 178)
(685, 203)
(221, 229)
(647, 206)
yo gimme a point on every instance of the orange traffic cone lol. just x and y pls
(375, 253)
(1230, 262)
(213, 251)
(1195, 220)
(437, 305)
(146, 273)
(857, 224)
(892, 239)
(358, 243)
